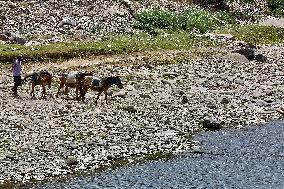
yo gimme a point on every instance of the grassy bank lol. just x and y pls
(255, 34)
(165, 40)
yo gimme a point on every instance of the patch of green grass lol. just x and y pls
(255, 34)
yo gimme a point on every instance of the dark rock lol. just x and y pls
(211, 125)
(145, 96)
(225, 100)
(211, 105)
(249, 53)
(268, 100)
(12, 38)
(19, 40)
(3, 37)
(249, 45)
(10, 156)
(184, 99)
(110, 157)
(260, 58)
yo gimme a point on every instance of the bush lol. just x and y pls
(191, 19)
(276, 7)
(147, 20)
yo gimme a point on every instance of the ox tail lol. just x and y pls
(26, 78)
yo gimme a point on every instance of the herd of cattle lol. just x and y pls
(81, 81)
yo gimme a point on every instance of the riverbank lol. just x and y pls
(165, 97)
(230, 158)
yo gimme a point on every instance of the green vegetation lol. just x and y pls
(189, 20)
(113, 45)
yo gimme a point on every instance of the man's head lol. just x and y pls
(20, 57)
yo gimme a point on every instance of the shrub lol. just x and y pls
(276, 7)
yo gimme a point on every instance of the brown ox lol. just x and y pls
(42, 78)
(72, 80)
(99, 84)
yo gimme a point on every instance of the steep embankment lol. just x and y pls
(56, 20)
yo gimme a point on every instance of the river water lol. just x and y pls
(230, 158)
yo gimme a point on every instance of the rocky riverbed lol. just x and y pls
(158, 110)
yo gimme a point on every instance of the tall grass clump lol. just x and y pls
(189, 20)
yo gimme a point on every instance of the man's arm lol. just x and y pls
(13, 65)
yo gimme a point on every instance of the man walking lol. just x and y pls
(17, 74)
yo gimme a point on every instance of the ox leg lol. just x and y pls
(84, 92)
(58, 91)
(98, 97)
(105, 96)
(43, 94)
(77, 91)
(32, 93)
(66, 91)
(49, 84)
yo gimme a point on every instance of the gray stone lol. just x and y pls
(236, 57)
(225, 100)
(121, 94)
(178, 92)
(130, 109)
(257, 94)
(67, 21)
(145, 96)
(271, 21)
(170, 74)
(71, 160)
